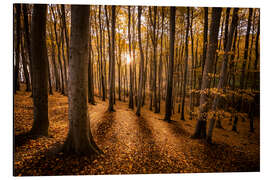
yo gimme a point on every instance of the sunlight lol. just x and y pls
(128, 59)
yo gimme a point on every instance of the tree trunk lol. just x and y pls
(17, 48)
(65, 29)
(170, 68)
(79, 140)
(182, 117)
(24, 63)
(58, 53)
(205, 41)
(130, 103)
(100, 51)
(141, 74)
(223, 73)
(40, 71)
(200, 131)
(91, 97)
(112, 63)
(27, 38)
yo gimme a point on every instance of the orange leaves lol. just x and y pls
(132, 145)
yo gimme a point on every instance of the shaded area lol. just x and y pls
(131, 145)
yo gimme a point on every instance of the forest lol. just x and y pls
(106, 89)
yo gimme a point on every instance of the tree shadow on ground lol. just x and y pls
(105, 126)
(24, 138)
(49, 163)
(153, 160)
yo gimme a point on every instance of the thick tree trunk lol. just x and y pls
(223, 73)
(168, 105)
(200, 131)
(79, 140)
(40, 71)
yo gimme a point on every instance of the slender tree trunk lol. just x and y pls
(138, 112)
(205, 41)
(170, 70)
(24, 63)
(27, 38)
(100, 46)
(65, 29)
(80, 140)
(58, 53)
(200, 131)
(182, 117)
(112, 62)
(40, 71)
(91, 97)
(130, 103)
(17, 48)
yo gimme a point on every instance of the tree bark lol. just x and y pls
(16, 81)
(141, 74)
(182, 117)
(200, 131)
(130, 103)
(112, 62)
(223, 73)
(205, 41)
(40, 71)
(170, 68)
(80, 140)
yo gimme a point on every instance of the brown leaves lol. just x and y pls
(131, 145)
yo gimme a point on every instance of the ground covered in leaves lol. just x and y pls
(131, 145)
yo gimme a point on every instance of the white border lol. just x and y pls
(6, 94)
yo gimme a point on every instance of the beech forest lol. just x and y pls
(109, 89)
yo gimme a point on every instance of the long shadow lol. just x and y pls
(217, 157)
(105, 126)
(225, 158)
(177, 128)
(49, 163)
(153, 160)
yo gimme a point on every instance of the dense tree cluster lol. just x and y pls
(199, 62)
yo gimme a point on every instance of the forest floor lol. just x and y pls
(131, 144)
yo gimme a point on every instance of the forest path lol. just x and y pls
(131, 144)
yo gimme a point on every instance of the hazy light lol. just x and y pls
(128, 59)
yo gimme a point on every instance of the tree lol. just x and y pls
(141, 74)
(223, 73)
(112, 62)
(130, 102)
(58, 52)
(17, 48)
(40, 71)
(170, 70)
(200, 131)
(80, 139)
(91, 97)
(27, 38)
(182, 117)
(205, 40)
